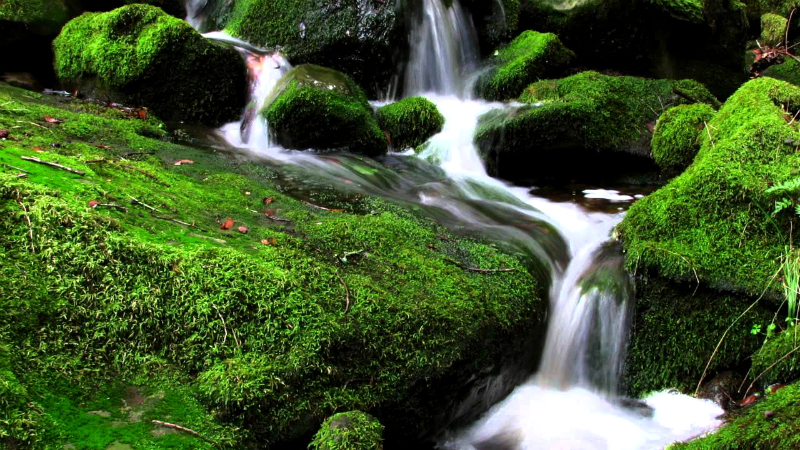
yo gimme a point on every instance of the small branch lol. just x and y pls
(276, 219)
(477, 269)
(322, 207)
(346, 293)
(137, 202)
(52, 164)
(16, 168)
(28, 219)
(184, 429)
(770, 368)
(111, 205)
(224, 326)
(179, 222)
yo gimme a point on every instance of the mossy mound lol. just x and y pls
(320, 108)
(573, 119)
(410, 122)
(773, 29)
(788, 71)
(302, 312)
(713, 221)
(528, 58)
(675, 137)
(785, 370)
(140, 55)
(770, 424)
(650, 38)
(353, 430)
(360, 38)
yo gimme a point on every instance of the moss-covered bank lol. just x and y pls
(272, 327)
(410, 122)
(140, 55)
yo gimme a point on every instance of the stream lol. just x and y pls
(572, 401)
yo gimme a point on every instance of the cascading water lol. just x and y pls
(571, 402)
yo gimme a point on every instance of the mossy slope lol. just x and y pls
(258, 322)
(140, 55)
(410, 122)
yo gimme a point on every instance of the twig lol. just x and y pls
(477, 269)
(346, 293)
(788, 25)
(184, 429)
(322, 207)
(224, 326)
(719, 344)
(52, 164)
(137, 202)
(111, 205)
(16, 168)
(276, 219)
(769, 368)
(238, 345)
(28, 219)
(129, 154)
(35, 124)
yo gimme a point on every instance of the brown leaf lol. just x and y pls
(269, 200)
(184, 161)
(243, 230)
(270, 212)
(93, 204)
(38, 149)
(104, 147)
(269, 241)
(143, 114)
(52, 120)
(227, 225)
(4, 134)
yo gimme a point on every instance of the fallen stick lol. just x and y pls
(16, 168)
(276, 219)
(184, 429)
(477, 269)
(322, 207)
(111, 205)
(346, 293)
(52, 164)
(137, 202)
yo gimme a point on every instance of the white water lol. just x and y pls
(571, 402)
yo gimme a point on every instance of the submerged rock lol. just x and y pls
(140, 55)
(528, 58)
(349, 430)
(410, 122)
(676, 135)
(584, 123)
(314, 107)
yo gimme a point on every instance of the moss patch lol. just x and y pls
(140, 55)
(772, 351)
(773, 29)
(320, 108)
(528, 58)
(352, 430)
(410, 122)
(789, 71)
(675, 138)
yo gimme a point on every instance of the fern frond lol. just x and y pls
(787, 187)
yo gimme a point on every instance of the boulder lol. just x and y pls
(530, 57)
(586, 124)
(314, 107)
(410, 122)
(676, 135)
(140, 55)
(349, 430)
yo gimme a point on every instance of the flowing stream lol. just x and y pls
(571, 402)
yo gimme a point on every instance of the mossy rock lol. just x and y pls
(314, 107)
(353, 430)
(140, 55)
(713, 221)
(362, 38)
(676, 135)
(650, 38)
(582, 121)
(773, 350)
(773, 29)
(410, 122)
(38, 16)
(528, 58)
(256, 325)
(788, 71)
(772, 423)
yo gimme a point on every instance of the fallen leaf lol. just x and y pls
(269, 200)
(104, 147)
(270, 212)
(749, 400)
(243, 230)
(38, 149)
(4, 134)
(93, 204)
(143, 114)
(270, 241)
(52, 120)
(184, 161)
(227, 225)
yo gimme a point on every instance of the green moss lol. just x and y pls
(410, 122)
(353, 430)
(260, 333)
(320, 108)
(529, 57)
(687, 10)
(773, 350)
(788, 71)
(670, 316)
(676, 135)
(713, 221)
(38, 15)
(773, 29)
(751, 429)
(138, 54)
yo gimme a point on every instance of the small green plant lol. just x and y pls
(791, 281)
(789, 192)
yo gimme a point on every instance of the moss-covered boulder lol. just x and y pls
(650, 38)
(353, 430)
(314, 107)
(410, 122)
(359, 37)
(140, 55)
(676, 135)
(773, 29)
(788, 71)
(583, 123)
(773, 356)
(528, 58)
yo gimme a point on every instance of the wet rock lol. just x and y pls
(314, 107)
(721, 389)
(410, 122)
(505, 440)
(140, 55)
